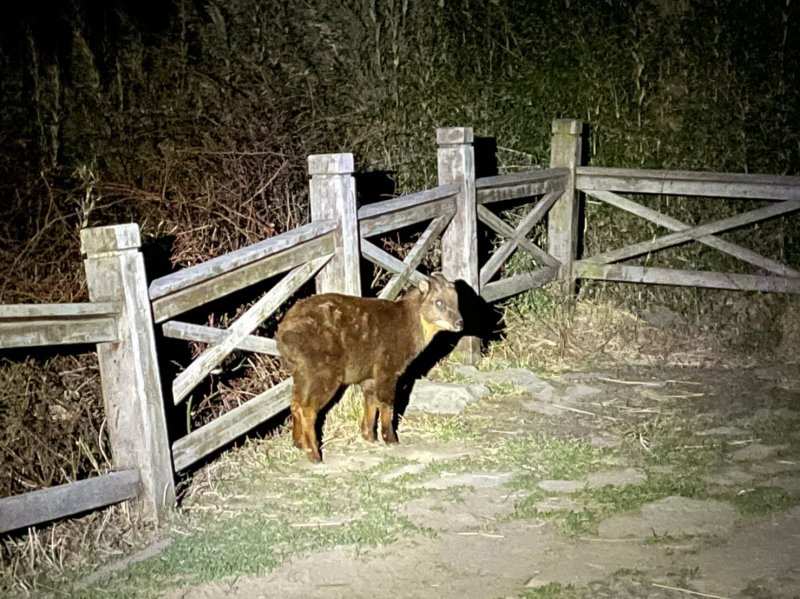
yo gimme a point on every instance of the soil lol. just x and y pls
(669, 547)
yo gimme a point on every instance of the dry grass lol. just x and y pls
(544, 332)
(37, 560)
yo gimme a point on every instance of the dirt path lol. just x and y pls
(625, 483)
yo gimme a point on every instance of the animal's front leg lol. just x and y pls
(387, 423)
(385, 391)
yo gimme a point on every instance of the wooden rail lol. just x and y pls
(390, 215)
(243, 327)
(20, 511)
(688, 183)
(197, 285)
(196, 445)
(513, 186)
(187, 331)
(28, 325)
(686, 278)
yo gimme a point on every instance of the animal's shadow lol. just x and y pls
(481, 320)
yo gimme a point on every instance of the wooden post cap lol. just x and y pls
(330, 164)
(567, 126)
(448, 136)
(98, 240)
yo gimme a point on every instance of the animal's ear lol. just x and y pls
(440, 280)
(424, 286)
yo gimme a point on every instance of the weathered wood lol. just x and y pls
(196, 332)
(384, 223)
(689, 183)
(242, 327)
(232, 261)
(181, 301)
(562, 226)
(520, 178)
(499, 226)
(456, 164)
(515, 192)
(129, 370)
(499, 257)
(502, 228)
(414, 257)
(198, 444)
(673, 224)
(752, 216)
(388, 262)
(29, 325)
(332, 193)
(515, 284)
(407, 202)
(513, 186)
(688, 278)
(38, 507)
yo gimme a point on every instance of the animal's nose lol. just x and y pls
(460, 324)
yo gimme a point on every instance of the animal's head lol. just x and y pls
(439, 309)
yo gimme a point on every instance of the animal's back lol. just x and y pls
(345, 331)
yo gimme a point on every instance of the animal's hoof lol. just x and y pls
(390, 440)
(314, 457)
(370, 437)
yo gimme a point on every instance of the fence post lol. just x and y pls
(129, 373)
(456, 164)
(332, 194)
(564, 216)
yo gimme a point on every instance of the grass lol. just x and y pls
(260, 504)
(552, 590)
(761, 501)
(307, 513)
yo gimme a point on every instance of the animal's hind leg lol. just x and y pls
(300, 388)
(311, 393)
(370, 418)
(297, 425)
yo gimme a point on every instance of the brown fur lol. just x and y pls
(331, 340)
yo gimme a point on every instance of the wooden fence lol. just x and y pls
(124, 309)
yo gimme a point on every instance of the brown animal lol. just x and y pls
(331, 340)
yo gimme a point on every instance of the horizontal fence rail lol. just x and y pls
(28, 325)
(605, 185)
(187, 331)
(390, 215)
(28, 509)
(688, 183)
(513, 186)
(197, 285)
(686, 278)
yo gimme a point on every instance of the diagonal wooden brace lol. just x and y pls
(414, 257)
(516, 237)
(244, 326)
(674, 224)
(386, 261)
(695, 233)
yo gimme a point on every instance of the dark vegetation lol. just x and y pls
(194, 120)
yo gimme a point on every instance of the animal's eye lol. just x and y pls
(439, 304)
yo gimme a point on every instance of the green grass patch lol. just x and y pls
(763, 500)
(553, 590)
(308, 513)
